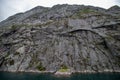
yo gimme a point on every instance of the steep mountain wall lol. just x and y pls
(75, 37)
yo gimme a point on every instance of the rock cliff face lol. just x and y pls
(74, 37)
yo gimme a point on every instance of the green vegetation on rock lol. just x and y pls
(63, 68)
(81, 13)
(40, 67)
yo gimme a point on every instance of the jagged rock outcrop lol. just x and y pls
(75, 37)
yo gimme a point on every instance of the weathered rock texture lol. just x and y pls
(76, 37)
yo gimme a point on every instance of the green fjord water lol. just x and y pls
(37, 76)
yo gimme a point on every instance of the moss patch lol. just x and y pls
(63, 69)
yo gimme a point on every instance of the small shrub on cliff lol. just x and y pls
(12, 62)
(41, 68)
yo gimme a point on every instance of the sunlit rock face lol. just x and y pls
(75, 37)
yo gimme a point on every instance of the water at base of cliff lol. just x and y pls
(38, 76)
